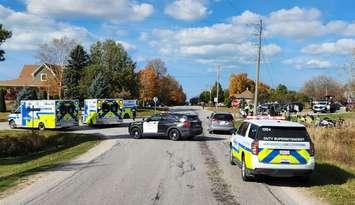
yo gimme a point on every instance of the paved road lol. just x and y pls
(160, 171)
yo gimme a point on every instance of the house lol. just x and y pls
(44, 77)
(246, 95)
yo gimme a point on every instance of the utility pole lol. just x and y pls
(258, 68)
(217, 86)
(351, 74)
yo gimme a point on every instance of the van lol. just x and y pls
(102, 111)
(45, 114)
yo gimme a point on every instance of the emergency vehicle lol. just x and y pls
(102, 111)
(129, 109)
(43, 114)
(272, 147)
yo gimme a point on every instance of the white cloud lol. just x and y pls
(187, 10)
(305, 63)
(341, 46)
(127, 45)
(116, 10)
(30, 30)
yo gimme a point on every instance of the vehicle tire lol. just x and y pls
(136, 133)
(174, 134)
(41, 126)
(245, 174)
(12, 124)
(231, 158)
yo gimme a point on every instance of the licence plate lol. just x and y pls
(222, 122)
(284, 152)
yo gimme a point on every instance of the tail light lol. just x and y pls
(311, 150)
(187, 124)
(255, 147)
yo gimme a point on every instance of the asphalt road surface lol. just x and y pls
(160, 171)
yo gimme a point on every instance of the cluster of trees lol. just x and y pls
(107, 71)
(314, 89)
(155, 82)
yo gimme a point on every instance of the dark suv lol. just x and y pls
(174, 125)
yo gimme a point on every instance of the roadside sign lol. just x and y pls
(215, 100)
(155, 99)
(235, 103)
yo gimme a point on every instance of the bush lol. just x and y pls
(23, 143)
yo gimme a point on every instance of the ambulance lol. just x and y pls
(45, 114)
(272, 147)
(129, 109)
(102, 111)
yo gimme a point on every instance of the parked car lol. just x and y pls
(220, 121)
(293, 107)
(323, 106)
(176, 126)
(272, 109)
(272, 147)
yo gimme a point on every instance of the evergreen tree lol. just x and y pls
(25, 94)
(117, 67)
(78, 59)
(99, 87)
(4, 34)
(2, 101)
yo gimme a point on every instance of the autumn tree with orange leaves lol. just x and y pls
(148, 84)
(238, 83)
(165, 87)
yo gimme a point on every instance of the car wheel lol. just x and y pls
(41, 126)
(12, 124)
(231, 158)
(245, 175)
(174, 134)
(136, 133)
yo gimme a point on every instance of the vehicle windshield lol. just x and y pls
(224, 117)
(291, 134)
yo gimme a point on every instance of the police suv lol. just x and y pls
(272, 147)
(174, 125)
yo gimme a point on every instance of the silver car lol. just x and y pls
(220, 121)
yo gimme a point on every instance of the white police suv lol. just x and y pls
(272, 147)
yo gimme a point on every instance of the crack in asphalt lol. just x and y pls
(157, 195)
(219, 187)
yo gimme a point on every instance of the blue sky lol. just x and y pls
(301, 39)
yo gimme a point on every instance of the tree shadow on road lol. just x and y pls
(324, 174)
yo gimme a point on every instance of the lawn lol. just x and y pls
(52, 150)
(146, 112)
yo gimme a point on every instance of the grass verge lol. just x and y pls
(333, 182)
(334, 176)
(3, 116)
(17, 169)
